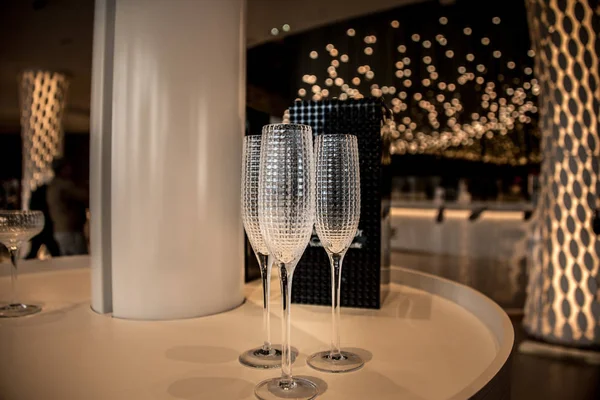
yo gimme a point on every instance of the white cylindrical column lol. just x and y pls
(100, 155)
(178, 101)
(42, 98)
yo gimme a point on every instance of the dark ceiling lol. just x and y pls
(57, 35)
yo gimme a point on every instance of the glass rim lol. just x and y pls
(301, 127)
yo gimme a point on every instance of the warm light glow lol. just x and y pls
(428, 213)
(441, 130)
(42, 101)
(563, 302)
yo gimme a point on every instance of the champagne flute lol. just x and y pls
(268, 355)
(17, 227)
(286, 209)
(338, 214)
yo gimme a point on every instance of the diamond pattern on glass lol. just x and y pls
(250, 170)
(17, 227)
(338, 191)
(286, 200)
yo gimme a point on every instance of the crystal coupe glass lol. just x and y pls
(286, 210)
(17, 227)
(337, 217)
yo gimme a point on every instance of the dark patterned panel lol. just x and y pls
(563, 292)
(364, 268)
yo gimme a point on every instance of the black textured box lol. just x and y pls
(365, 272)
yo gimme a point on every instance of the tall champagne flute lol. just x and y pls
(17, 227)
(286, 209)
(268, 355)
(337, 217)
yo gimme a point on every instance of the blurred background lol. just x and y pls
(462, 130)
(441, 67)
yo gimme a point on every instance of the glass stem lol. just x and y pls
(286, 273)
(336, 281)
(264, 263)
(14, 256)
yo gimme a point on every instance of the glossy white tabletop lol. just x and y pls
(420, 345)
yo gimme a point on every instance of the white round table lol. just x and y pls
(433, 339)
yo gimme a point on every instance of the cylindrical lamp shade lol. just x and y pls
(42, 98)
(177, 114)
(563, 297)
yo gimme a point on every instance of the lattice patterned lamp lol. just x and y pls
(563, 301)
(42, 101)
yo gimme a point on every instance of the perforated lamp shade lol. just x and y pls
(42, 96)
(563, 304)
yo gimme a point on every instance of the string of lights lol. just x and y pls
(486, 111)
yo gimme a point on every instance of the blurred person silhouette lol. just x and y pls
(46, 237)
(67, 203)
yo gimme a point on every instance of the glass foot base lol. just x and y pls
(323, 361)
(297, 389)
(18, 310)
(258, 358)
